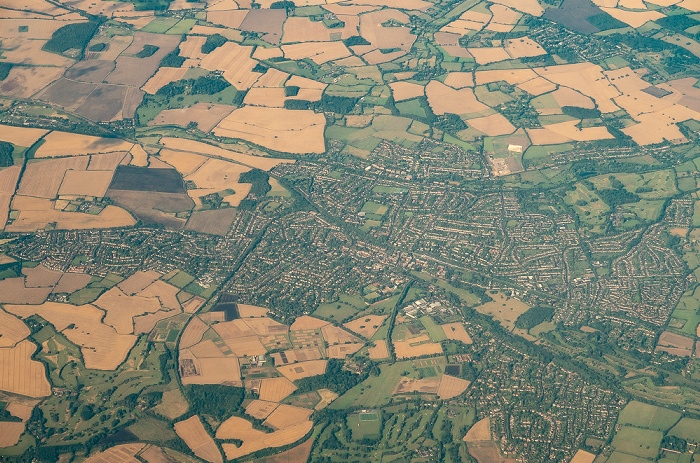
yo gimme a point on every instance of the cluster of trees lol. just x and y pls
(6, 150)
(5, 70)
(335, 378)
(173, 59)
(580, 113)
(213, 42)
(214, 400)
(534, 316)
(146, 51)
(204, 85)
(75, 35)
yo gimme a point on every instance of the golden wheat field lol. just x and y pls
(73, 144)
(300, 370)
(379, 350)
(306, 322)
(285, 416)
(457, 332)
(195, 436)
(275, 389)
(260, 409)
(19, 374)
(451, 387)
(366, 325)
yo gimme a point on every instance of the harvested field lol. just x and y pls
(144, 324)
(416, 347)
(444, 99)
(451, 387)
(493, 125)
(265, 326)
(166, 294)
(285, 416)
(251, 311)
(537, 86)
(10, 432)
(74, 144)
(523, 47)
(633, 18)
(335, 335)
(457, 332)
(233, 329)
(340, 351)
(203, 148)
(107, 161)
(93, 71)
(327, 397)
(426, 386)
(489, 55)
(306, 322)
(372, 30)
(192, 47)
(296, 355)
(675, 344)
(12, 330)
(254, 440)
(193, 333)
(214, 222)
(185, 163)
(110, 102)
(565, 96)
(481, 431)
(20, 136)
(195, 436)
(450, 43)
(267, 22)
(43, 179)
(153, 207)
(24, 81)
(13, 291)
(8, 182)
(586, 78)
(235, 62)
(658, 126)
(228, 18)
(459, 80)
(245, 346)
(406, 90)
(29, 52)
(36, 28)
(504, 309)
(297, 454)
(569, 130)
(512, 76)
(19, 374)
(583, 457)
(366, 326)
(193, 305)
(260, 409)
(303, 369)
(301, 29)
(173, 404)
(163, 77)
(86, 183)
(138, 282)
(134, 71)
(124, 453)
(379, 351)
(40, 276)
(102, 347)
(206, 115)
(209, 370)
(121, 309)
(318, 52)
(275, 389)
(215, 176)
(206, 349)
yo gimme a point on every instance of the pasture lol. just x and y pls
(503, 308)
(639, 442)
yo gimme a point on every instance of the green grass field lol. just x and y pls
(434, 330)
(376, 391)
(688, 429)
(181, 280)
(648, 416)
(643, 443)
(365, 425)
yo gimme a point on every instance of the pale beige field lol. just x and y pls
(19, 374)
(10, 432)
(260, 409)
(504, 16)
(73, 144)
(40, 276)
(13, 291)
(523, 47)
(233, 329)
(633, 18)
(327, 397)
(193, 304)
(537, 86)
(481, 431)
(144, 324)
(302, 29)
(318, 52)
(29, 52)
(8, 182)
(587, 78)
(163, 77)
(166, 294)
(512, 76)
(489, 55)
(366, 326)
(108, 161)
(216, 175)
(245, 346)
(265, 96)
(275, 389)
(254, 440)
(12, 330)
(193, 332)
(121, 309)
(413, 347)
(300, 370)
(427, 386)
(42, 179)
(212, 370)
(262, 53)
(173, 404)
(195, 436)
(37, 213)
(22, 411)
(459, 80)
(251, 311)
(335, 335)
(264, 326)
(565, 96)
(227, 18)
(457, 332)
(379, 351)
(503, 309)
(569, 130)
(285, 416)
(37, 28)
(20, 136)
(124, 453)
(138, 281)
(192, 146)
(451, 387)
(206, 349)
(656, 127)
(306, 322)
(183, 162)
(545, 137)
(583, 457)
(493, 125)
(235, 62)
(531, 7)
(25, 81)
(102, 347)
(86, 183)
(340, 351)
(372, 30)
(192, 47)
(406, 90)
(309, 90)
(444, 99)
